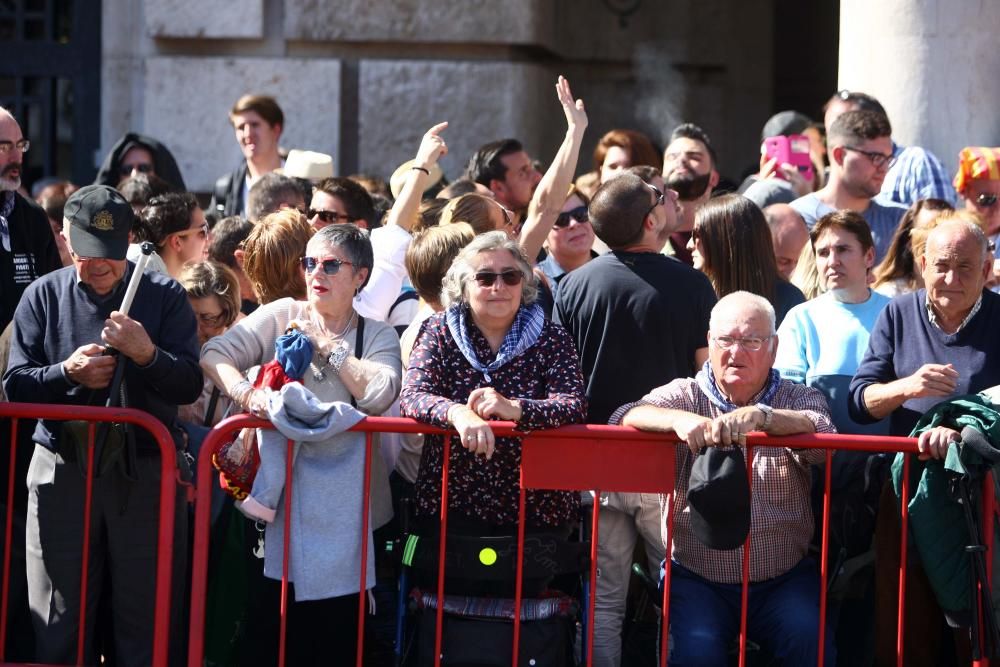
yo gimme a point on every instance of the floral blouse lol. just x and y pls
(549, 384)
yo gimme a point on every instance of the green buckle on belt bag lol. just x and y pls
(114, 444)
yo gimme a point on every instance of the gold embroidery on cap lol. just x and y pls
(103, 221)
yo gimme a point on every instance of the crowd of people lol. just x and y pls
(845, 289)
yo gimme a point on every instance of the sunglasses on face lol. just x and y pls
(142, 168)
(986, 200)
(329, 265)
(509, 276)
(579, 214)
(202, 232)
(329, 217)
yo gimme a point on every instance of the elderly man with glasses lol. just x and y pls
(735, 392)
(27, 247)
(859, 146)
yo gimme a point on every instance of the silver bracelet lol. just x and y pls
(239, 391)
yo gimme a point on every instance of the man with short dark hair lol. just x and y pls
(859, 145)
(58, 355)
(258, 122)
(273, 192)
(226, 247)
(507, 170)
(638, 318)
(737, 391)
(337, 200)
(689, 168)
(27, 248)
(916, 173)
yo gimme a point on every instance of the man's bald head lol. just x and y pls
(789, 235)
(955, 232)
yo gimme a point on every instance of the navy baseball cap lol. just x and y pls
(719, 498)
(99, 222)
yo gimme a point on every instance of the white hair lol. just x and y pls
(741, 302)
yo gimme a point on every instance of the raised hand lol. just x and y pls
(576, 115)
(432, 147)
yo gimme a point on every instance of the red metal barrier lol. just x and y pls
(165, 538)
(572, 458)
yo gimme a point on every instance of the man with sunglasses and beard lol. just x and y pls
(689, 170)
(27, 248)
(978, 185)
(638, 319)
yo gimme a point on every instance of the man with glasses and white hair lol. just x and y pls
(735, 392)
(27, 247)
(859, 145)
(638, 319)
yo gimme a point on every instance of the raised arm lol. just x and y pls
(432, 148)
(551, 191)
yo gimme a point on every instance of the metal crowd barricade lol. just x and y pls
(571, 458)
(165, 538)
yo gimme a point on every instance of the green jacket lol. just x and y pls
(937, 520)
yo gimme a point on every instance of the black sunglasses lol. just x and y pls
(142, 168)
(330, 266)
(986, 200)
(659, 199)
(579, 214)
(488, 278)
(329, 217)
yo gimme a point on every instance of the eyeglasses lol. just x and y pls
(509, 276)
(986, 200)
(142, 168)
(7, 146)
(659, 199)
(748, 343)
(579, 214)
(878, 160)
(329, 217)
(212, 320)
(200, 231)
(330, 265)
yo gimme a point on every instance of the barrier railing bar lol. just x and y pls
(903, 519)
(168, 463)
(8, 534)
(989, 497)
(439, 613)
(665, 602)
(745, 591)
(366, 501)
(81, 631)
(823, 557)
(506, 429)
(595, 516)
(286, 556)
(518, 590)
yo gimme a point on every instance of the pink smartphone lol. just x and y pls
(793, 150)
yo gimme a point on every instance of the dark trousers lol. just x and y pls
(123, 542)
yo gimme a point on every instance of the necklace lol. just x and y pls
(336, 354)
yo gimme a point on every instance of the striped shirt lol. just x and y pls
(781, 521)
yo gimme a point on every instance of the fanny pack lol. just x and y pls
(118, 438)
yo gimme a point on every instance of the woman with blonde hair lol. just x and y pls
(272, 253)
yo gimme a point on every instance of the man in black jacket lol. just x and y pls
(27, 248)
(258, 122)
(57, 355)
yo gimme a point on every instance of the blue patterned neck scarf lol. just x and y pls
(523, 334)
(6, 208)
(706, 382)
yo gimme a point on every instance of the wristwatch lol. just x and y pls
(768, 415)
(336, 358)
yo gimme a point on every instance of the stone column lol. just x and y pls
(934, 65)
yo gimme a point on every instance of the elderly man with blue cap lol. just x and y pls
(63, 328)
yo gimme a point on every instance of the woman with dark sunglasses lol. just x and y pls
(570, 241)
(491, 355)
(354, 360)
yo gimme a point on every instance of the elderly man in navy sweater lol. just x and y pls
(926, 347)
(57, 356)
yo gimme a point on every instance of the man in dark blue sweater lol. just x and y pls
(57, 356)
(926, 347)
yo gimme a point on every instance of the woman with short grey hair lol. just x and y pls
(491, 355)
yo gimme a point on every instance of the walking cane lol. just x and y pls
(114, 396)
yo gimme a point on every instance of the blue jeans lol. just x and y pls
(782, 617)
